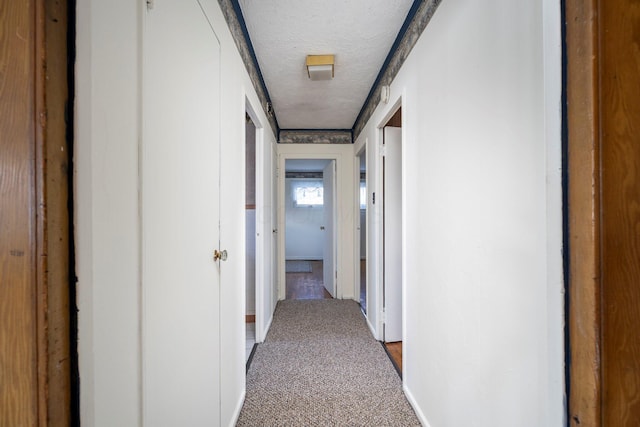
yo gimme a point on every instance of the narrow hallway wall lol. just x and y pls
(482, 231)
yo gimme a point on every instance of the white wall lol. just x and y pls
(345, 217)
(481, 157)
(106, 211)
(108, 111)
(304, 238)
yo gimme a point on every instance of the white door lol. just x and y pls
(274, 233)
(180, 165)
(392, 234)
(328, 254)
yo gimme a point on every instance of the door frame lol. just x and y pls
(357, 253)
(43, 240)
(583, 138)
(283, 156)
(379, 212)
(262, 230)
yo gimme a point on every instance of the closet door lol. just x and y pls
(180, 162)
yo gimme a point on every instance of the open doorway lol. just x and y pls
(361, 260)
(250, 236)
(392, 254)
(309, 213)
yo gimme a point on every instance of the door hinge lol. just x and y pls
(383, 316)
(150, 4)
(383, 150)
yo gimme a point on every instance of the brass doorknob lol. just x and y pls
(220, 255)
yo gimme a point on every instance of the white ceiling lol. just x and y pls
(359, 33)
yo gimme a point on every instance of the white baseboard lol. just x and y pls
(266, 329)
(373, 331)
(414, 405)
(236, 412)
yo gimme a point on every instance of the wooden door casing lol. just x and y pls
(34, 254)
(21, 393)
(619, 78)
(603, 106)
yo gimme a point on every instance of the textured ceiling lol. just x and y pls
(359, 33)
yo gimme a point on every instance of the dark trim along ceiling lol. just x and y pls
(417, 19)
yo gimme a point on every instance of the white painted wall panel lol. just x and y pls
(106, 211)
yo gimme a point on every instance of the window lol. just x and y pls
(363, 194)
(307, 193)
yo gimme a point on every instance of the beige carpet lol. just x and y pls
(320, 366)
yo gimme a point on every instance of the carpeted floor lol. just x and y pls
(320, 366)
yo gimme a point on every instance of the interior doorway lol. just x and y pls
(309, 211)
(361, 260)
(392, 237)
(250, 236)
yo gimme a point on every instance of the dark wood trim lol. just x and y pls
(583, 181)
(396, 119)
(34, 251)
(56, 174)
(40, 127)
(250, 318)
(249, 207)
(619, 192)
(19, 361)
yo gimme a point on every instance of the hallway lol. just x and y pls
(479, 89)
(320, 366)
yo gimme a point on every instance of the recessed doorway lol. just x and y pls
(310, 228)
(392, 235)
(250, 236)
(361, 261)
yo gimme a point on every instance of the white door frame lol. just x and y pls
(357, 247)
(263, 231)
(342, 155)
(379, 212)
